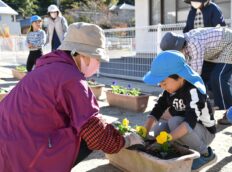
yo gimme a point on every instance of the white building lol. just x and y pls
(8, 20)
(154, 12)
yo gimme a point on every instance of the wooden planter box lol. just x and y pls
(17, 74)
(131, 160)
(97, 90)
(133, 103)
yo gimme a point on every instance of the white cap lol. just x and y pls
(53, 8)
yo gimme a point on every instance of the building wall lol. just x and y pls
(6, 21)
(141, 20)
(141, 13)
(146, 37)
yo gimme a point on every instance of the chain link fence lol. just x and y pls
(131, 50)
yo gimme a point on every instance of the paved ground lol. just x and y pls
(222, 144)
(97, 162)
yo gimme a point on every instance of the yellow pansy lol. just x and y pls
(125, 122)
(142, 131)
(163, 137)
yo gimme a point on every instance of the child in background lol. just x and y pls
(36, 39)
(192, 122)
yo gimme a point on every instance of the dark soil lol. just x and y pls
(153, 149)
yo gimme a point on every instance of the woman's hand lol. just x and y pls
(133, 139)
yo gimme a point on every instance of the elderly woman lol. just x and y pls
(51, 110)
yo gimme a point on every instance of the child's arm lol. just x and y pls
(29, 45)
(41, 39)
(180, 131)
(151, 121)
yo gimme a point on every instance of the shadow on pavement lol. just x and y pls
(10, 66)
(219, 165)
(9, 79)
(7, 84)
(221, 127)
(105, 168)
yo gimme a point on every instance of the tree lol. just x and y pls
(24, 7)
(43, 6)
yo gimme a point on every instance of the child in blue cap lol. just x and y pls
(36, 39)
(192, 122)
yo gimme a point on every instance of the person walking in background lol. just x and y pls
(51, 119)
(56, 27)
(203, 13)
(213, 45)
(36, 39)
(192, 120)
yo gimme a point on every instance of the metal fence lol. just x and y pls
(131, 50)
(14, 51)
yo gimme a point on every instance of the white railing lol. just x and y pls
(131, 50)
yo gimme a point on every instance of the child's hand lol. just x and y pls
(30, 45)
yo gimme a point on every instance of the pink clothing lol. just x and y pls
(41, 118)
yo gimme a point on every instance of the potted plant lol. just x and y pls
(159, 156)
(96, 88)
(127, 98)
(3, 93)
(19, 72)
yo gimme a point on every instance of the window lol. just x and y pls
(169, 11)
(182, 9)
(176, 11)
(155, 14)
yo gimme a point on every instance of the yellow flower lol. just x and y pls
(125, 122)
(142, 131)
(163, 137)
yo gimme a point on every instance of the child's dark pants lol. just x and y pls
(33, 56)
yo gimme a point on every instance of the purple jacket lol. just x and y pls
(41, 118)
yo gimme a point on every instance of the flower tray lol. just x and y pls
(18, 74)
(137, 161)
(97, 90)
(2, 95)
(133, 103)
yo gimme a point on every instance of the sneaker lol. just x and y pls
(224, 120)
(203, 161)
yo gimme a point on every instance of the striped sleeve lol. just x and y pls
(199, 110)
(101, 136)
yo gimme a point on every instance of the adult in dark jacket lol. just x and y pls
(203, 13)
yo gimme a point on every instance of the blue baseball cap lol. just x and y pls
(229, 114)
(35, 18)
(172, 62)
